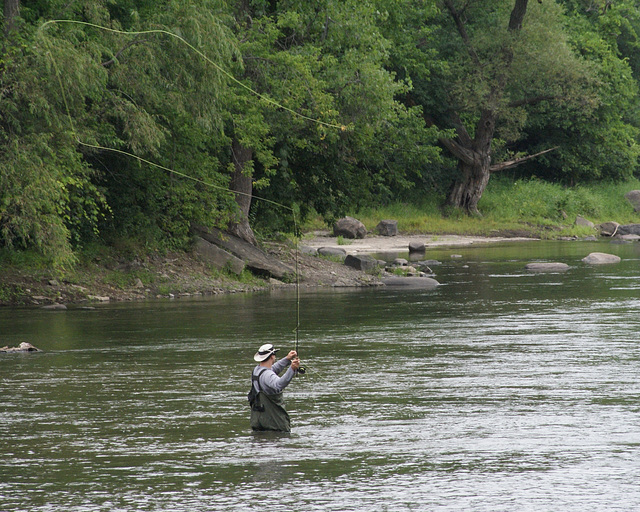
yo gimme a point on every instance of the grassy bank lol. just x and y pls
(128, 272)
(529, 207)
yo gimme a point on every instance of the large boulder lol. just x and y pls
(254, 258)
(581, 221)
(608, 228)
(601, 258)
(417, 247)
(426, 283)
(217, 257)
(387, 227)
(361, 262)
(332, 252)
(634, 198)
(349, 227)
(629, 229)
(309, 251)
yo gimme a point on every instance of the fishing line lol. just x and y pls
(173, 171)
(201, 54)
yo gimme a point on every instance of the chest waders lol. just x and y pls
(269, 412)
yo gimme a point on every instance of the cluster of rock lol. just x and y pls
(614, 229)
(594, 258)
(398, 273)
(227, 251)
(349, 227)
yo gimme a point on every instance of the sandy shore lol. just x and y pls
(375, 244)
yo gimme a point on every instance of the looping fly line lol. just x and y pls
(207, 59)
(173, 171)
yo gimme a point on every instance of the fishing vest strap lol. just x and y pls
(256, 378)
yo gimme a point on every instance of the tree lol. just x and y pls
(167, 104)
(500, 63)
(474, 153)
(327, 61)
(33, 197)
(601, 142)
(148, 95)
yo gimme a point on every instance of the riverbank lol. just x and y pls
(106, 278)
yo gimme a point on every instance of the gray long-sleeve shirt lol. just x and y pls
(270, 382)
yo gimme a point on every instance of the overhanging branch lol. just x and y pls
(508, 164)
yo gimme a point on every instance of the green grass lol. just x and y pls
(8, 294)
(546, 203)
(532, 206)
(420, 219)
(124, 279)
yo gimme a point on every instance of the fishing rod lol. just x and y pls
(301, 370)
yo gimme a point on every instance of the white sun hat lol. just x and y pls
(264, 352)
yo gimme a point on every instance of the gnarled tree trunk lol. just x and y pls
(470, 185)
(242, 185)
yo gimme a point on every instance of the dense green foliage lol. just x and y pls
(601, 140)
(339, 104)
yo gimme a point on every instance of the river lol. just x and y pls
(501, 390)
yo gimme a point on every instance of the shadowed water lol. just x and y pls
(502, 390)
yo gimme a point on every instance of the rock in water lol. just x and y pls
(23, 347)
(425, 283)
(546, 267)
(601, 258)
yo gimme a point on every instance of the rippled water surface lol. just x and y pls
(501, 390)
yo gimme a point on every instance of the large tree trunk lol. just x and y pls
(470, 185)
(242, 184)
(11, 11)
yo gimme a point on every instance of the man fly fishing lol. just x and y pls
(265, 397)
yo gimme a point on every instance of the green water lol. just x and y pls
(501, 390)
